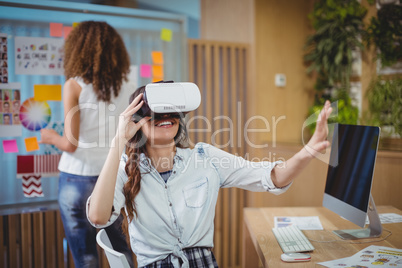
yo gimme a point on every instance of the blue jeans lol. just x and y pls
(74, 191)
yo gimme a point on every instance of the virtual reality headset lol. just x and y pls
(172, 98)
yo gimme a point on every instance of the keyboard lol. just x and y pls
(291, 239)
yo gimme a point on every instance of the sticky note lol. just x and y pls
(157, 57)
(145, 70)
(47, 92)
(75, 24)
(31, 144)
(157, 71)
(66, 31)
(166, 35)
(10, 146)
(56, 29)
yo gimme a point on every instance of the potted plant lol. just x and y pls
(385, 31)
(385, 110)
(338, 26)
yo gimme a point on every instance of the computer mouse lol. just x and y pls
(295, 257)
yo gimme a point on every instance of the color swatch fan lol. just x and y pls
(35, 115)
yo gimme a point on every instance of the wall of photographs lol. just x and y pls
(10, 101)
(3, 59)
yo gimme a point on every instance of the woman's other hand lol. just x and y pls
(127, 127)
(48, 136)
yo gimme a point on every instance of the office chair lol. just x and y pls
(115, 259)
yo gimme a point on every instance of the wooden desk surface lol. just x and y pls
(259, 243)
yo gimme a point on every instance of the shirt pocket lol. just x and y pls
(196, 193)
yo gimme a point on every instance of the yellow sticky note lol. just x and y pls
(157, 57)
(47, 92)
(157, 71)
(166, 35)
(75, 24)
(31, 144)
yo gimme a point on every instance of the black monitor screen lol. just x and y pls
(350, 179)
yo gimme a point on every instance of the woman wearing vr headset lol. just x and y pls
(96, 65)
(169, 192)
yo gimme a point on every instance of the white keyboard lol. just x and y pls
(291, 239)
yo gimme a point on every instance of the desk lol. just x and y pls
(259, 243)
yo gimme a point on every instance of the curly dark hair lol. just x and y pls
(95, 52)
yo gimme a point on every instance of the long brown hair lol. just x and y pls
(134, 148)
(95, 52)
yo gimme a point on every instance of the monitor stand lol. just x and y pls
(374, 229)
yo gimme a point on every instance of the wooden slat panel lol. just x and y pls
(217, 105)
(242, 103)
(32, 240)
(59, 243)
(191, 76)
(222, 84)
(12, 240)
(3, 247)
(200, 82)
(38, 240)
(209, 91)
(50, 238)
(26, 240)
(234, 226)
(242, 79)
(225, 192)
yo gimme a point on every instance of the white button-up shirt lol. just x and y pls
(180, 213)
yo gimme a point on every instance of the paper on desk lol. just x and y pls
(304, 223)
(388, 218)
(372, 256)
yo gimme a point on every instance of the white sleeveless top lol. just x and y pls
(98, 123)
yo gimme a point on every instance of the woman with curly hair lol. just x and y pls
(169, 192)
(96, 65)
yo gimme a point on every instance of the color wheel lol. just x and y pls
(35, 115)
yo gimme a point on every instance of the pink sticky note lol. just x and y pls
(10, 146)
(66, 31)
(56, 29)
(145, 70)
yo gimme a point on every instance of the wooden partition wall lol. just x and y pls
(221, 72)
(31, 240)
(35, 240)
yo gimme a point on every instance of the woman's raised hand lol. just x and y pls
(127, 127)
(318, 141)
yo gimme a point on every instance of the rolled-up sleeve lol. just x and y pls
(235, 171)
(118, 200)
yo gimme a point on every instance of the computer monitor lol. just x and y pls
(350, 176)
